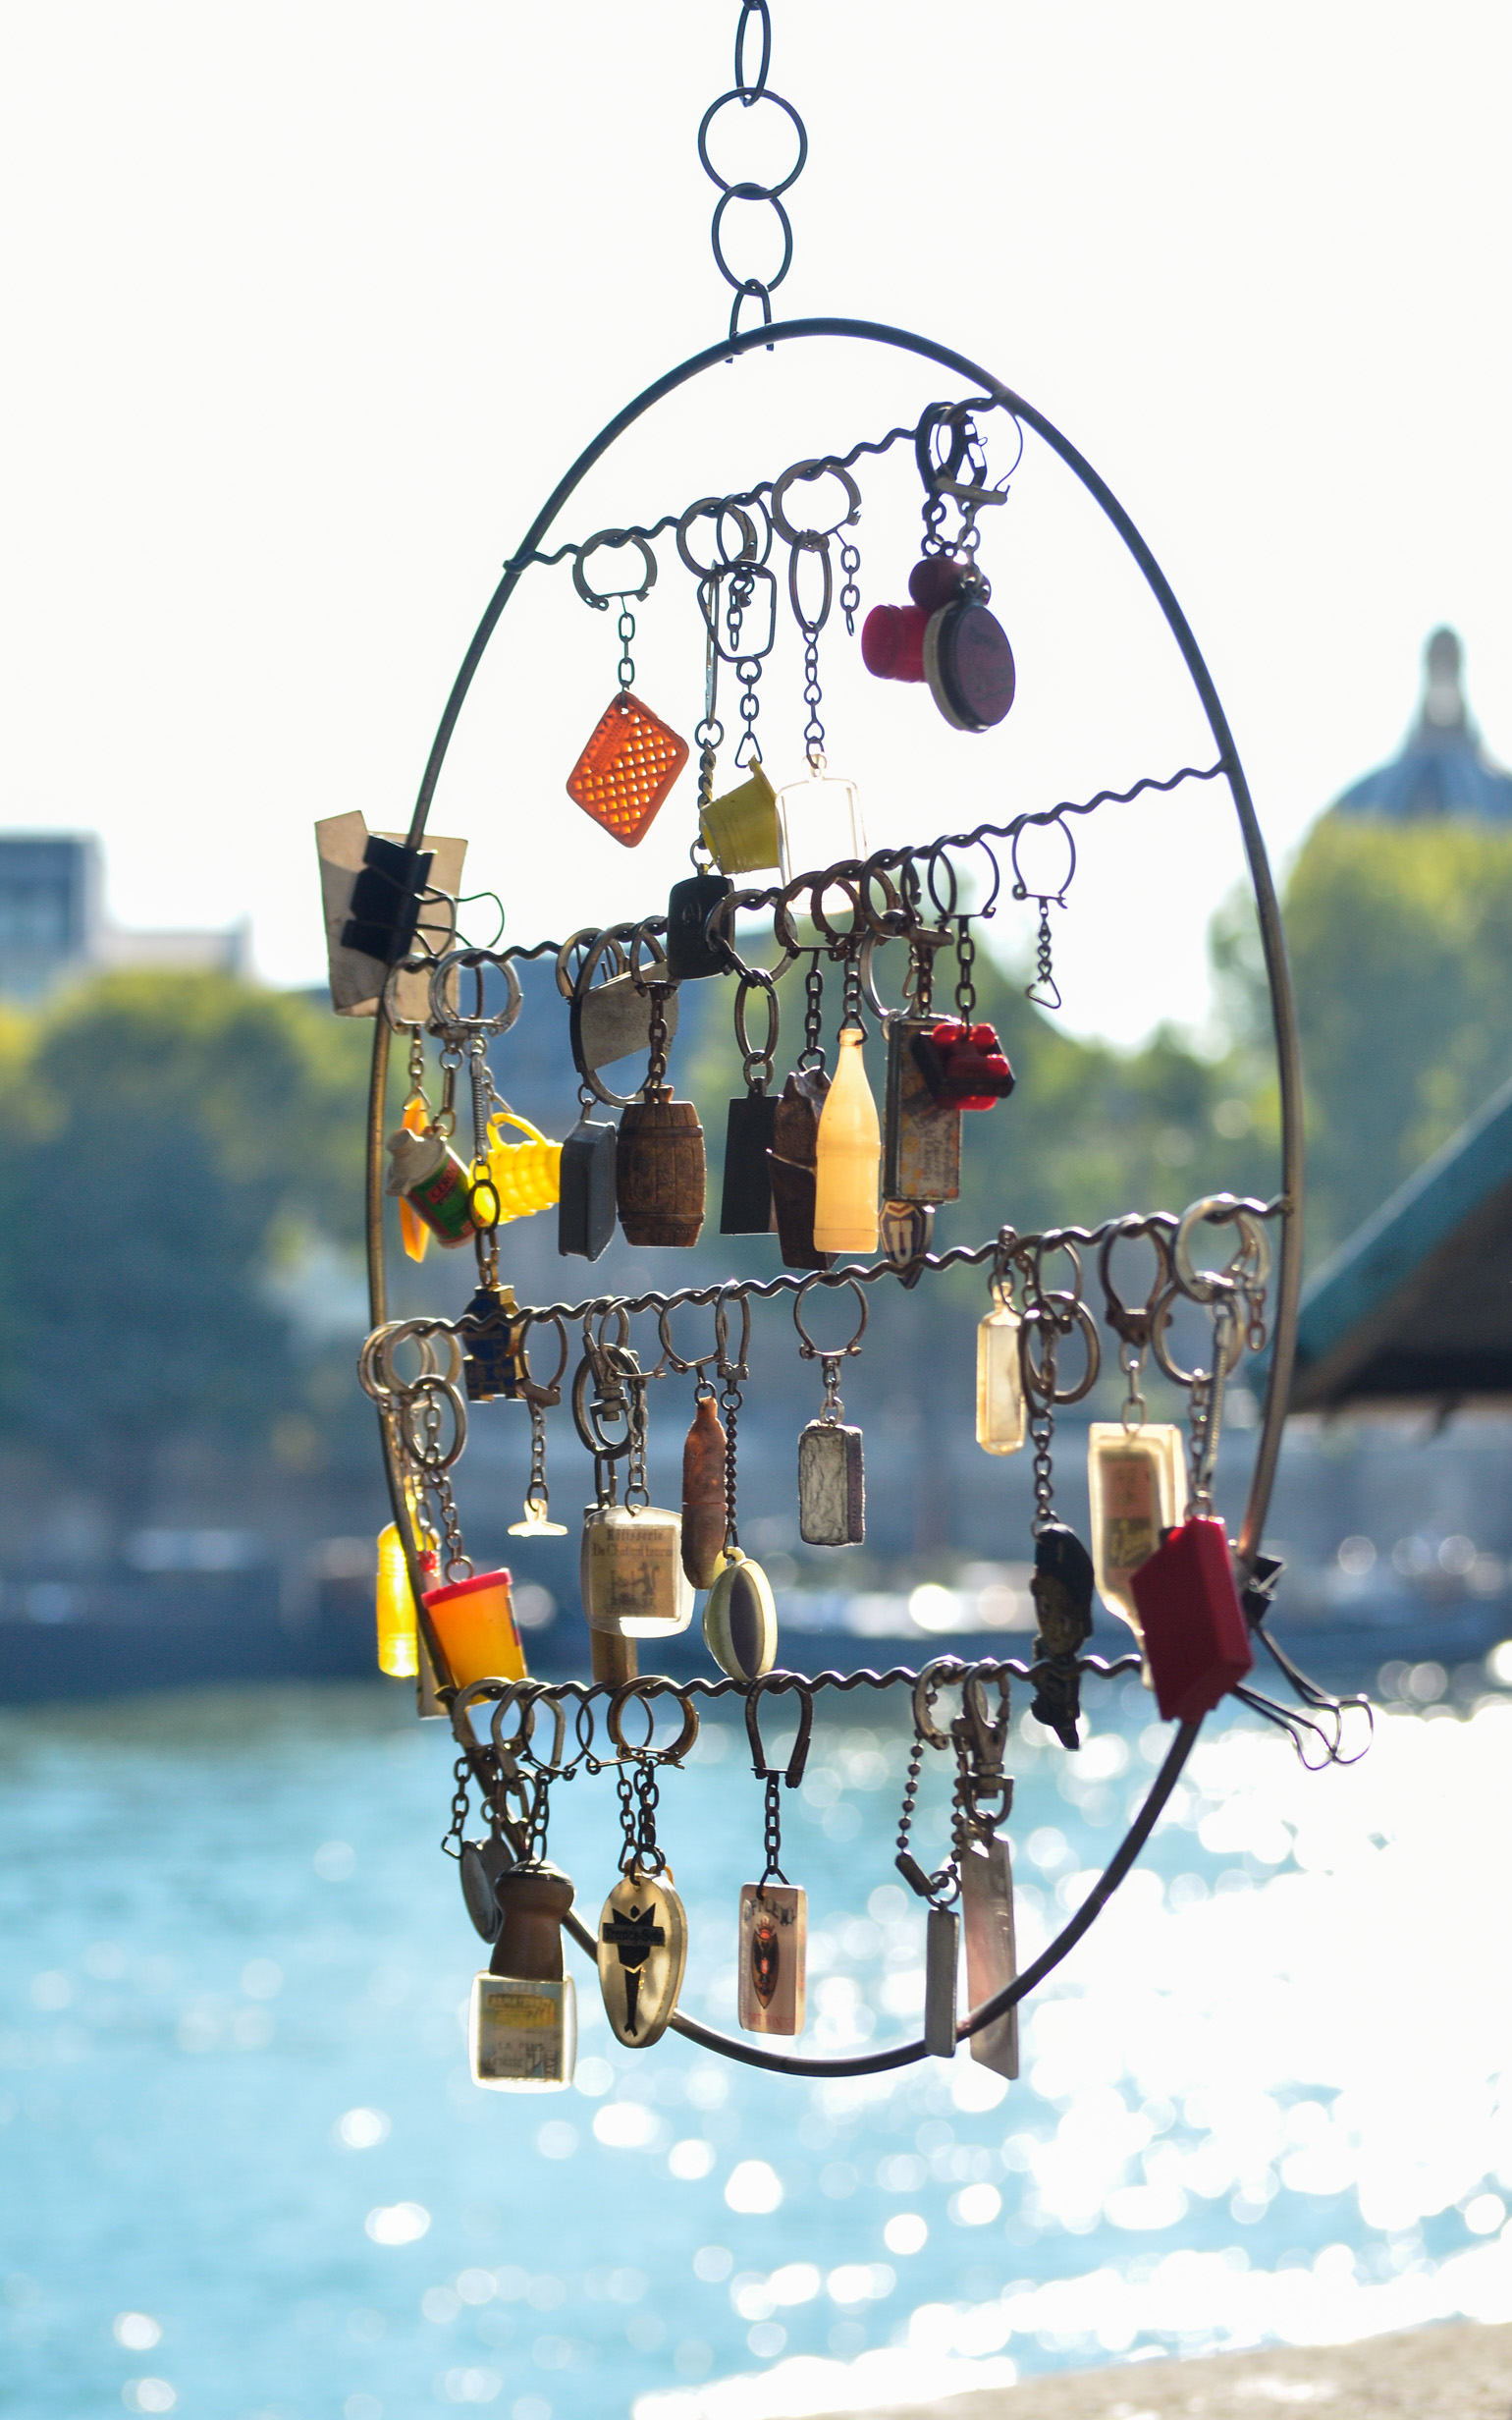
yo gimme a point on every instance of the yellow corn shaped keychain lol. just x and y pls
(527, 1175)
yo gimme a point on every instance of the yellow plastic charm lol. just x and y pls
(741, 828)
(526, 1177)
(411, 1225)
(627, 769)
(398, 1651)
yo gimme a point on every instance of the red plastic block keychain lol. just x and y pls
(1196, 1636)
(964, 1065)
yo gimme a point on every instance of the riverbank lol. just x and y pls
(1461, 2371)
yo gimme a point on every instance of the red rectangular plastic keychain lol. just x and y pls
(1196, 1636)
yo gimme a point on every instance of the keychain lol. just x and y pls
(632, 757)
(1136, 1467)
(659, 1164)
(746, 1205)
(848, 1152)
(1063, 1578)
(921, 1161)
(831, 1476)
(741, 1616)
(961, 1059)
(773, 1947)
(535, 1519)
(642, 1932)
(984, 1800)
(1197, 1639)
(947, 635)
(795, 1137)
(1001, 1415)
(942, 1941)
(633, 1584)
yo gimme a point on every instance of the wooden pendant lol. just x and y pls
(794, 1151)
(992, 1962)
(642, 1950)
(772, 1956)
(658, 1171)
(741, 1618)
(704, 1460)
(921, 1149)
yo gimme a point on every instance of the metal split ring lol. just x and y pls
(640, 1691)
(448, 1022)
(828, 1352)
(602, 599)
(785, 1684)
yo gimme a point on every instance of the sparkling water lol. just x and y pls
(247, 2178)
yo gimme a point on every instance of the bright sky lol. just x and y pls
(308, 305)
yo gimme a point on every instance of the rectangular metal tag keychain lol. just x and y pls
(941, 1956)
(832, 1485)
(991, 1961)
(921, 1136)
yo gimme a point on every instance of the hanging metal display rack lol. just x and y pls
(397, 952)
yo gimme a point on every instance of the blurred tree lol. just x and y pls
(1400, 937)
(173, 1140)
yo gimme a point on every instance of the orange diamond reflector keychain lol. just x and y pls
(627, 769)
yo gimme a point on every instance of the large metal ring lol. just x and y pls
(602, 599)
(757, 192)
(1133, 1325)
(427, 1456)
(1159, 1325)
(1021, 889)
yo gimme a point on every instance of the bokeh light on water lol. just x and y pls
(247, 2178)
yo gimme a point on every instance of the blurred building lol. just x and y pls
(1444, 769)
(54, 929)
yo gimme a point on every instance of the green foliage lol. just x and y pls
(169, 1136)
(1400, 937)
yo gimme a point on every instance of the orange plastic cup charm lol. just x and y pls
(627, 769)
(474, 1622)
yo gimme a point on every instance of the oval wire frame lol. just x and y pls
(1288, 1067)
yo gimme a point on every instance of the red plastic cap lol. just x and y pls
(892, 643)
(1196, 1635)
(933, 582)
(465, 1587)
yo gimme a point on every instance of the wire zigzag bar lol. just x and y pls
(759, 494)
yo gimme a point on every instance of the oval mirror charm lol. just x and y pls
(642, 1950)
(969, 664)
(741, 1618)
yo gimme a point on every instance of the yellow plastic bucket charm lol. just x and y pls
(527, 1175)
(741, 827)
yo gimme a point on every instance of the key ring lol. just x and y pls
(1247, 1270)
(527, 1697)
(1040, 1376)
(601, 603)
(715, 509)
(641, 1692)
(451, 1023)
(530, 1389)
(792, 1773)
(1133, 1324)
(828, 1352)
(756, 978)
(814, 540)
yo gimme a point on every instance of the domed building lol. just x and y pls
(1444, 769)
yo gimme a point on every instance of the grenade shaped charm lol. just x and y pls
(658, 1170)
(642, 1951)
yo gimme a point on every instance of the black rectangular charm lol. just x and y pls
(745, 1206)
(921, 1135)
(690, 954)
(585, 1214)
(941, 1959)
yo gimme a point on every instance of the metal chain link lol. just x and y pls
(813, 1051)
(851, 594)
(772, 1841)
(965, 960)
(627, 630)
